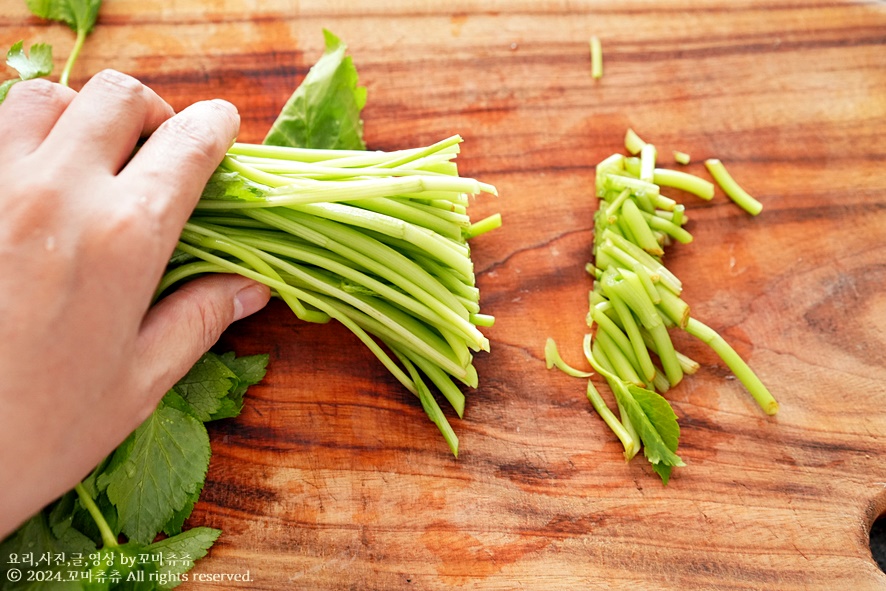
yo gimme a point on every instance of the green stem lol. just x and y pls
(633, 332)
(485, 225)
(671, 229)
(69, 65)
(329, 308)
(627, 434)
(431, 408)
(731, 188)
(633, 143)
(685, 182)
(553, 359)
(596, 57)
(607, 325)
(735, 363)
(108, 538)
(648, 155)
(621, 364)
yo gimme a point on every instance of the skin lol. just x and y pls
(85, 234)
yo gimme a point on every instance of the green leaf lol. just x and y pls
(656, 423)
(661, 415)
(206, 385)
(36, 65)
(181, 552)
(4, 88)
(177, 521)
(230, 186)
(158, 470)
(249, 369)
(38, 536)
(324, 111)
(214, 388)
(80, 15)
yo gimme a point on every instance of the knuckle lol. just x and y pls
(193, 136)
(40, 91)
(209, 317)
(117, 79)
(125, 226)
(42, 206)
(198, 133)
(120, 85)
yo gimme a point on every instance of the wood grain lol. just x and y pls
(333, 479)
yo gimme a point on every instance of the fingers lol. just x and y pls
(178, 159)
(101, 125)
(28, 114)
(185, 324)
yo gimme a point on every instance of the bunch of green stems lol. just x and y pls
(636, 300)
(375, 240)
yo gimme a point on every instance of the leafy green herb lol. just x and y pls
(659, 431)
(324, 111)
(194, 544)
(148, 485)
(205, 386)
(154, 473)
(36, 65)
(79, 15)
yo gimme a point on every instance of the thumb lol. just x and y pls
(185, 324)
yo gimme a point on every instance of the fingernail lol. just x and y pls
(250, 300)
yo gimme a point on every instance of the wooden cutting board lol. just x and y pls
(333, 478)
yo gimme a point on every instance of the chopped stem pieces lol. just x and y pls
(636, 300)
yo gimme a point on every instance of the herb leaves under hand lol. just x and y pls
(148, 485)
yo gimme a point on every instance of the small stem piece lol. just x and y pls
(481, 227)
(684, 181)
(738, 366)
(596, 57)
(553, 359)
(633, 143)
(731, 188)
(681, 157)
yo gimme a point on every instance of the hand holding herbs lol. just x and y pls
(377, 241)
(86, 235)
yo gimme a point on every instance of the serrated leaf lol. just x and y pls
(35, 65)
(36, 535)
(162, 466)
(656, 426)
(324, 111)
(177, 521)
(249, 369)
(193, 544)
(206, 385)
(80, 15)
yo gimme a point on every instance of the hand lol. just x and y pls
(85, 234)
